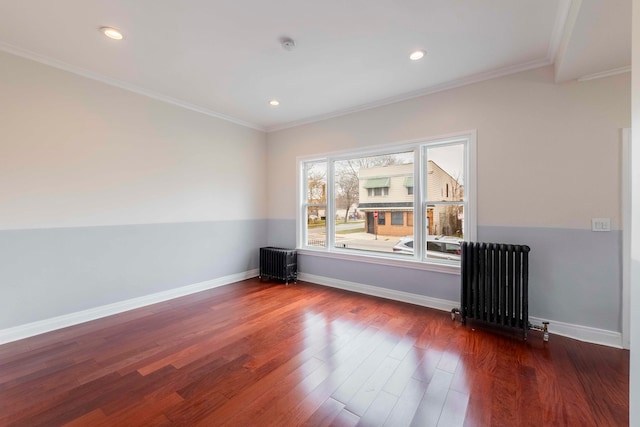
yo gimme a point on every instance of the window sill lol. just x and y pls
(381, 260)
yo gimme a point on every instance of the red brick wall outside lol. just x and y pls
(394, 230)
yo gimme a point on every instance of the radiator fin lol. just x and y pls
(494, 284)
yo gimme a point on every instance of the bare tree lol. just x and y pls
(347, 191)
(355, 165)
(316, 190)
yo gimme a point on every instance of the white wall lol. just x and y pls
(76, 152)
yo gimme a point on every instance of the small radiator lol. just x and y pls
(279, 263)
(495, 285)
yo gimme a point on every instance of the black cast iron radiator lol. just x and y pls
(495, 285)
(279, 263)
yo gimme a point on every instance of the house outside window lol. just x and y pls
(399, 174)
(365, 203)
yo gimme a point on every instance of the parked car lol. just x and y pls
(438, 247)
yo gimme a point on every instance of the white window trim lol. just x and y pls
(330, 251)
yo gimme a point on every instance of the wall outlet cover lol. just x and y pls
(600, 224)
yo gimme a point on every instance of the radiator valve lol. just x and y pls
(544, 329)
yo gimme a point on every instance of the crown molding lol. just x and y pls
(606, 73)
(33, 56)
(475, 78)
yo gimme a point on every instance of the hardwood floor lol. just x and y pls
(265, 354)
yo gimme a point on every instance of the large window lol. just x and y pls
(365, 202)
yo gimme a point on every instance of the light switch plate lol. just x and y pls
(600, 224)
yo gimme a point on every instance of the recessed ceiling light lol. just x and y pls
(416, 55)
(274, 102)
(112, 33)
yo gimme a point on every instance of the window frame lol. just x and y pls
(419, 147)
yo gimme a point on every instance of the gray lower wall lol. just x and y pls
(436, 285)
(574, 275)
(46, 273)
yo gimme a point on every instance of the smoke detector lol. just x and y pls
(287, 43)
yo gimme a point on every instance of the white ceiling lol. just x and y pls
(224, 58)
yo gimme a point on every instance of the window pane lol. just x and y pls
(445, 173)
(445, 220)
(316, 226)
(316, 180)
(370, 195)
(316, 194)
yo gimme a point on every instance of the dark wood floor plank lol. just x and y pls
(65, 407)
(93, 418)
(293, 406)
(44, 384)
(527, 402)
(479, 407)
(145, 411)
(193, 411)
(269, 393)
(338, 372)
(271, 387)
(262, 353)
(594, 377)
(243, 409)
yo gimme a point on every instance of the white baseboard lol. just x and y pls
(439, 304)
(581, 333)
(578, 332)
(59, 322)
